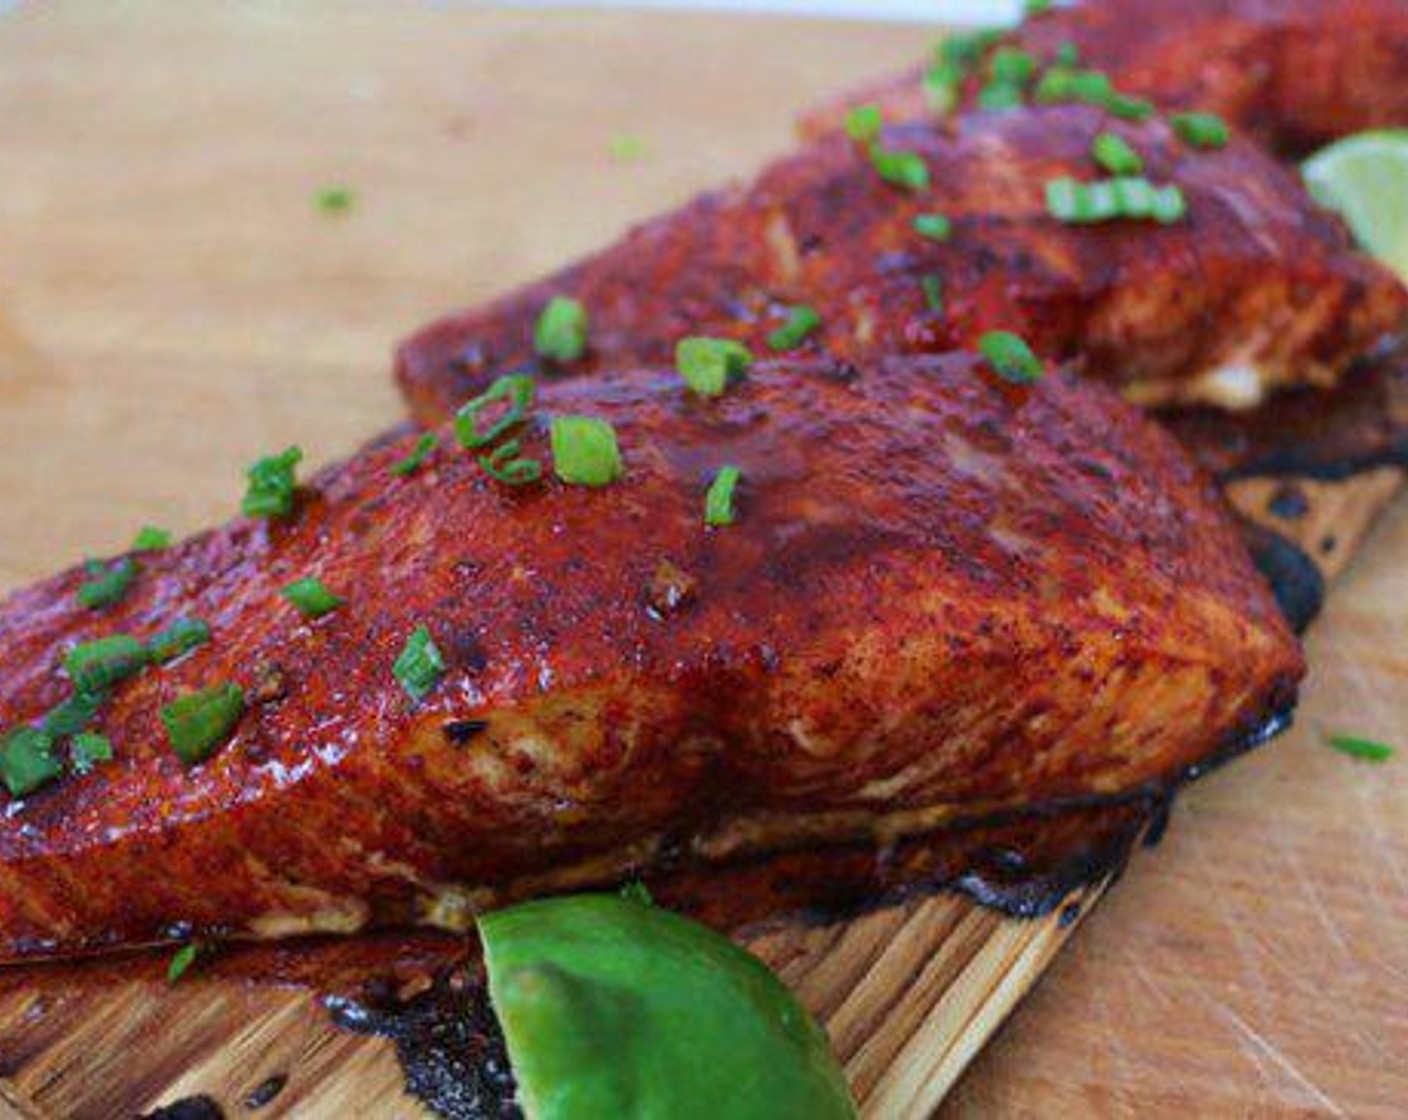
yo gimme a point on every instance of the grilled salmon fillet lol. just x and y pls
(942, 598)
(1295, 74)
(1255, 288)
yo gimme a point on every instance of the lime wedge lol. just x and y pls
(1365, 178)
(615, 1009)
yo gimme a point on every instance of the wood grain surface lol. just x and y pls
(172, 305)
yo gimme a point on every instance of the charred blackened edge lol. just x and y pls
(448, 1042)
(1295, 581)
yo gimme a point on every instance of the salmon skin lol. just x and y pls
(1294, 74)
(1256, 289)
(943, 599)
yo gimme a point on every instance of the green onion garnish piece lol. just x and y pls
(1000, 95)
(420, 664)
(626, 147)
(1169, 205)
(943, 84)
(636, 891)
(334, 200)
(107, 586)
(74, 714)
(1367, 750)
(1067, 54)
(177, 640)
(936, 227)
(503, 464)
(802, 320)
(1065, 84)
(718, 503)
(584, 451)
(1010, 357)
(89, 749)
(1115, 155)
(864, 124)
(709, 364)
(1126, 197)
(902, 169)
(1128, 108)
(27, 760)
(967, 49)
(517, 388)
(933, 286)
(1036, 8)
(957, 56)
(311, 597)
(199, 722)
(561, 333)
(181, 961)
(98, 665)
(1013, 66)
(1201, 130)
(419, 454)
(151, 539)
(272, 483)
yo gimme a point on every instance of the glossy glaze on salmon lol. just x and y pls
(1256, 288)
(1294, 74)
(943, 598)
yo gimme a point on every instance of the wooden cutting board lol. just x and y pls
(171, 305)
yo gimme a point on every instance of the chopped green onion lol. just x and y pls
(74, 714)
(517, 388)
(936, 227)
(636, 891)
(626, 148)
(933, 286)
(151, 539)
(1068, 54)
(718, 503)
(967, 49)
(98, 665)
(181, 961)
(1201, 130)
(1169, 205)
(177, 640)
(334, 200)
(27, 760)
(504, 465)
(1010, 357)
(419, 454)
(864, 123)
(420, 665)
(1000, 95)
(272, 483)
(107, 586)
(1065, 84)
(311, 597)
(89, 749)
(584, 451)
(1104, 201)
(1116, 155)
(1036, 8)
(561, 333)
(801, 322)
(942, 84)
(1367, 750)
(1013, 66)
(1128, 108)
(199, 722)
(709, 364)
(902, 169)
